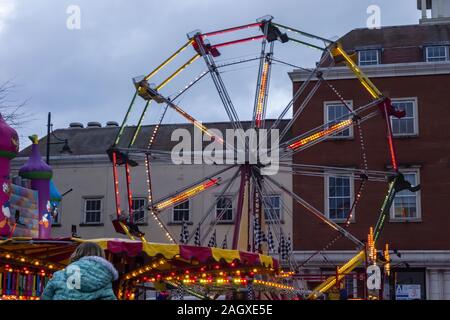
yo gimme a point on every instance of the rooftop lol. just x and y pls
(95, 141)
(397, 36)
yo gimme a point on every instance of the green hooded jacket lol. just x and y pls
(89, 278)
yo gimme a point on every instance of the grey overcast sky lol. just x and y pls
(85, 75)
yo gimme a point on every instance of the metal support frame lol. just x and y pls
(218, 83)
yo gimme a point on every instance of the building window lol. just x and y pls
(272, 208)
(336, 112)
(93, 210)
(139, 206)
(368, 57)
(339, 197)
(181, 212)
(436, 53)
(406, 204)
(224, 209)
(408, 125)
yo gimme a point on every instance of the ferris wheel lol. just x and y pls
(250, 231)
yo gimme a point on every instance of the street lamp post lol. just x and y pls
(50, 133)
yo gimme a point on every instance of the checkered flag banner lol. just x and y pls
(225, 243)
(257, 232)
(184, 235)
(197, 237)
(212, 241)
(289, 246)
(282, 247)
(271, 242)
(250, 292)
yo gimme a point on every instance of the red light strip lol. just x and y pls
(186, 194)
(130, 195)
(390, 138)
(116, 185)
(262, 95)
(229, 43)
(321, 134)
(247, 26)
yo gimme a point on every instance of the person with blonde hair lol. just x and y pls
(89, 276)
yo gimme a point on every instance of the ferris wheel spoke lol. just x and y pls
(263, 79)
(219, 216)
(325, 174)
(320, 215)
(298, 94)
(212, 208)
(277, 219)
(371, 175)
(302, 107)
(189, 191)
(218, 82)
(322, 132)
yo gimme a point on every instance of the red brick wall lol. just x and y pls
(431, 150)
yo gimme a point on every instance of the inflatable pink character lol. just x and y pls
(9, 147)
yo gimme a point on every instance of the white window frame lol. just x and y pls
(418, 200)
(416, 116)
(233, 212)
(145, 220)
(372, 64)
(326, 104)
(280, 217)
(85, 200)
(427, 57)
(189, 212)
(327, 191)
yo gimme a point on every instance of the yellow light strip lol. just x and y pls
(262, 94)
(273, 285)
(387, 257)
(342, 271)
(125, 229)
(186, 194)
(321, 134)
(365, 81)
(162, 65)
(177, 72)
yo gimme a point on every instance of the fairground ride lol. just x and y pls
(250, 231)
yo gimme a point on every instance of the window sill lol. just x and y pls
(176, 223)
(223, 222)
(412, 220)
(91, 224)
(406, 136)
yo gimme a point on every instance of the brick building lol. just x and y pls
(411, 65)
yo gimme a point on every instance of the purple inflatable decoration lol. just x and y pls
(9, 147)
(40, 174)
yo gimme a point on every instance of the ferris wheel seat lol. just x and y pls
(208, 48)
(274, 33)
(147, 91)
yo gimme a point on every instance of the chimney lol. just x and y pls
(94, 124)
(434, 11)
(76, 125)
(112, 124)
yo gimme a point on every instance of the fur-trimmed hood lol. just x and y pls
(105, 263)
